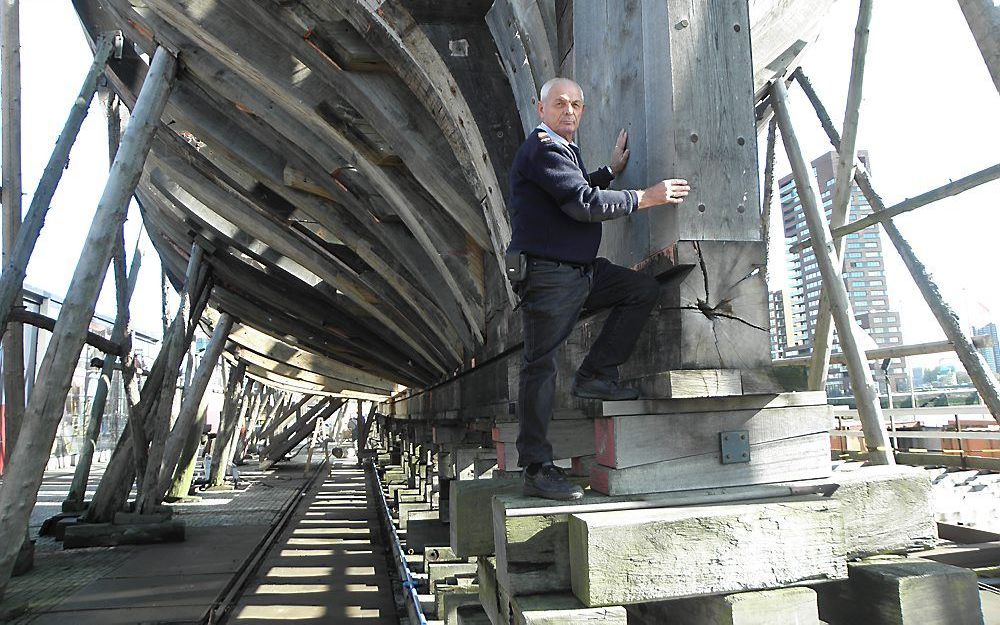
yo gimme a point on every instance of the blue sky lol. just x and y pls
(930, 114)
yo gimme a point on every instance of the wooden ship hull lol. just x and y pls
(344, 165)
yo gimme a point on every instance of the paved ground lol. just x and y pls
(172, 583)
(324, 568)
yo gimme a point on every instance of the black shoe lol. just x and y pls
(550, 482)
(601, 388)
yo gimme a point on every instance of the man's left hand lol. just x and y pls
(619, 156)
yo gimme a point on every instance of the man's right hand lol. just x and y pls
(672, 191)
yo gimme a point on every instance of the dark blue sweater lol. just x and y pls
(556, 207)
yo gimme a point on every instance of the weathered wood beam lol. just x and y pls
(186, 417)
(10, 194)
(234, 400)
(865, 390)
(822, 342)
(124, 287)
(176, 344)
(296, 434)
(896, 351)
(108, 346)
(45, 409)
(246, 218)
(983, 17)
(260, 151)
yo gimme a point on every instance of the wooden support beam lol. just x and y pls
(175, 344)
(983, 17)
(864, 386)
(124, 287)
(108, 346)
(765, 213)
(10, 194)
(840, 210)
(897, 351)
(225, 439)
(298, 434)
(45, 409)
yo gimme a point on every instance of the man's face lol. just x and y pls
(562, 109)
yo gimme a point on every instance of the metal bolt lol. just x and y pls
(741, 209)
(740, 141)
(736, 27)
(694, 137)
(682, 24)
(701, 208)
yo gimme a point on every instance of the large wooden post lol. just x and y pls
(176, 345)
(190, 410)
(13, 344)
(840, 210)
(865, 391)
(714, 314)
(983, 17)
(45, 408)
(222, 450)
(125, 288)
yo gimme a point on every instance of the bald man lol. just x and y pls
(556, 210)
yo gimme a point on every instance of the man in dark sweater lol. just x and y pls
(556, 210)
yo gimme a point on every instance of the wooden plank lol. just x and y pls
(682, 406)
(800, 458)
(702, 550)
(623, 442)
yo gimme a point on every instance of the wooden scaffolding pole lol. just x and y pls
(970, 358)
(222, 450)
(45, 408)
(865, 390)
(765, 212)
(840, 210)
(125, 286)
(16, 263)
(176, 343)
(983, 17)
(190, 410)
(13, 344)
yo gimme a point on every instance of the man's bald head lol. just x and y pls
(560, 106)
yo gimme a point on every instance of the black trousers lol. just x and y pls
(553, 296)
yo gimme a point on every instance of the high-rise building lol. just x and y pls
(863, 273)
(990, 354)
(784, 332)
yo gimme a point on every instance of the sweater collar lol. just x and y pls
(558, 138)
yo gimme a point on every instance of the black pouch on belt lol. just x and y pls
(516, 267)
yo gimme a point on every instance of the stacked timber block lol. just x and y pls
(127, 528)
(733, 554)
(902, 592)
(661, 445)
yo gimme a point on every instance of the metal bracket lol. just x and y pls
(734, 447)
